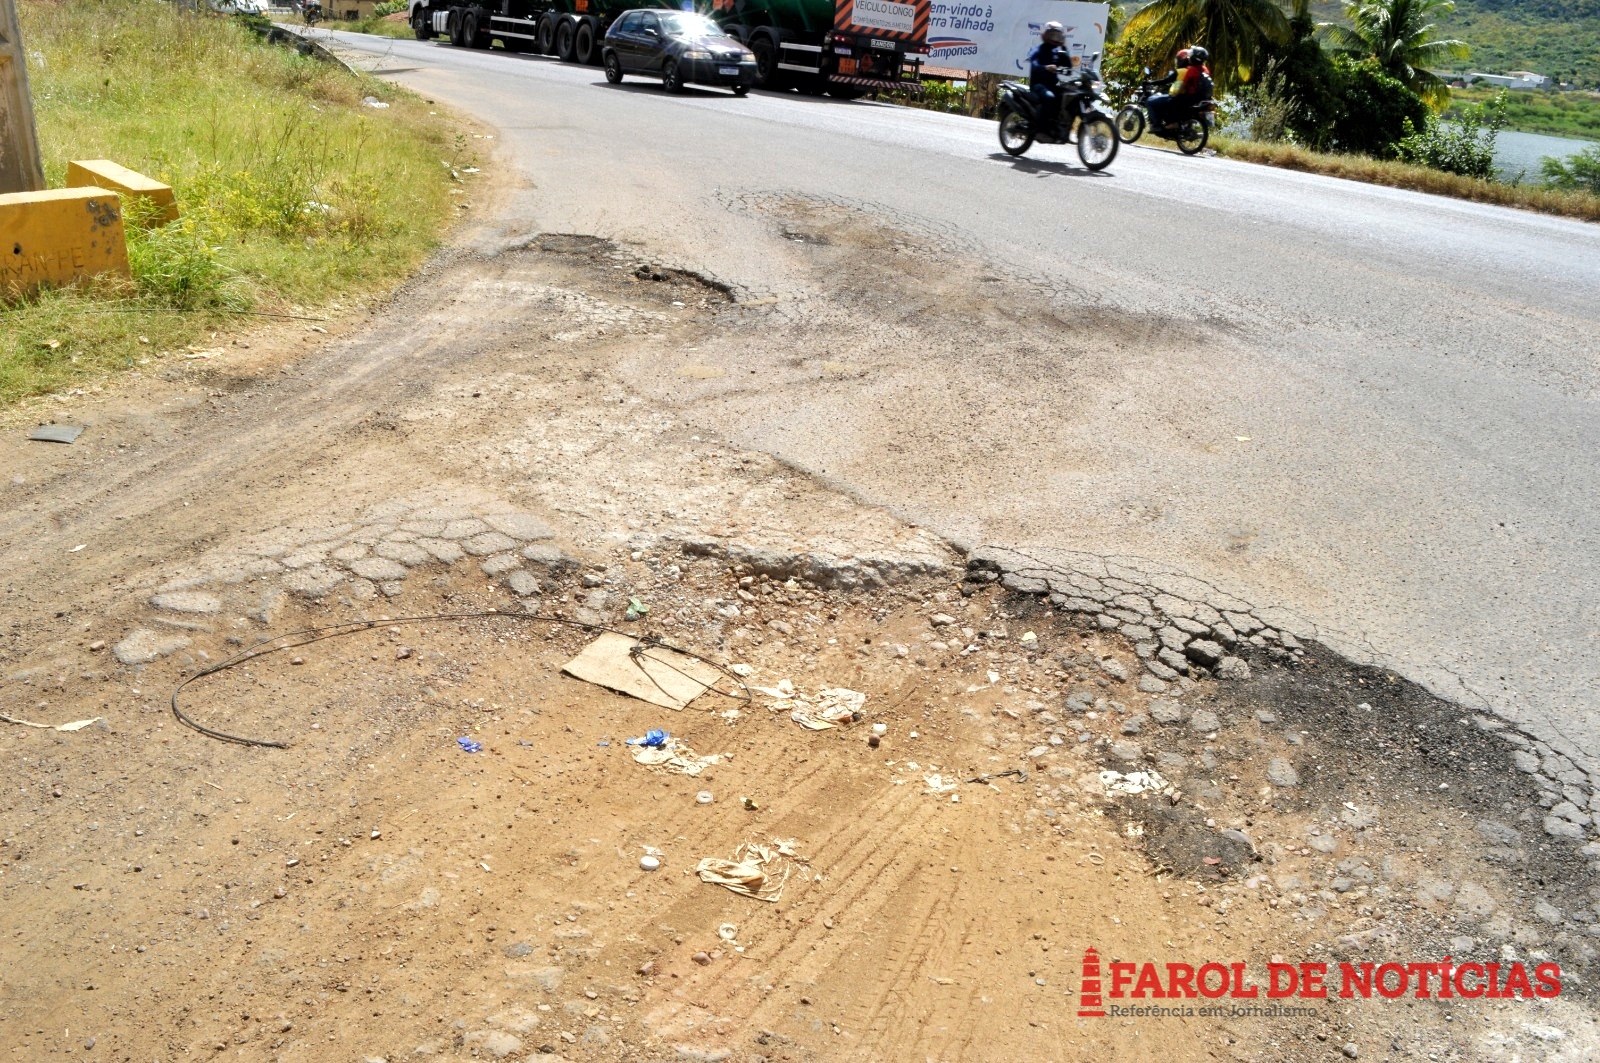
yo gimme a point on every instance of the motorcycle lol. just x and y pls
(1081, 99)
(311, 12)
(1190, 127)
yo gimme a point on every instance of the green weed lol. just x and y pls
(292, 191)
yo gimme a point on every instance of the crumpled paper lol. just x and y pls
(674, 756)
(1135, 782)
(757, 871)
(817, 712)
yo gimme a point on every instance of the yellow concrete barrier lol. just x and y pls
(130, 184)
(57, 236)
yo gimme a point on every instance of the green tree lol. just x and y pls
(1116, 18)
(1309, 79)
(1580, 173)
(1465, 146)
(1240, 34)
(1126, 59)
(1403, 36)
(1373, 111)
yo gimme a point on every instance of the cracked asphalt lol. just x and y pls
(1366, 411)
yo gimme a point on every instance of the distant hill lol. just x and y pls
(1560, 38)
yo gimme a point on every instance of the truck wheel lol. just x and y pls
(565, 31)
(766, 63)
(471, 34)
(455, 28)
(545, 36)
(421, 24)
(583, 49)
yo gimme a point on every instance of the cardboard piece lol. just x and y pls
(56, 433)
(655, 674)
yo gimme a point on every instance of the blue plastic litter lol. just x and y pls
(468, 745)
(654, 738)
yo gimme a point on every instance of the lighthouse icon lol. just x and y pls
(1090, 1005)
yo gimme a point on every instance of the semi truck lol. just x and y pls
(569, 29)
(845, 48)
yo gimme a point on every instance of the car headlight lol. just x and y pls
(747, 57)
(696, 53)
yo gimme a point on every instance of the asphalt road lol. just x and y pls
(1370, 408)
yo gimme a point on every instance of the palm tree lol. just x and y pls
(1403, 36)
(1240, 34)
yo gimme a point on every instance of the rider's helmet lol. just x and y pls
(1198, 55)
(1182, 60)
(1053, 33)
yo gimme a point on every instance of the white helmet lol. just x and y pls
(1054, 32)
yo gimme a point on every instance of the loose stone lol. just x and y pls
(1235, 668)
(378, 568)
(1557, 827)
(1281, 773)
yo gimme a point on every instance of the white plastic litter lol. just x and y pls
(826, 708)
(1135, 782)
(674, 756)
(75, 725)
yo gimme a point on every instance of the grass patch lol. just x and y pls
(1558, 114)
(294, 192)
(378, 27)
(1416, 178)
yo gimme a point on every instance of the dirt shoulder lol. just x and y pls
(375, 891)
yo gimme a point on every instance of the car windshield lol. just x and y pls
(686, 25)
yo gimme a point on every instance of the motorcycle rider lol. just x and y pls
(1190, 82)
(1048, 58)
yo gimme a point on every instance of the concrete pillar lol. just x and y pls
(21, 169)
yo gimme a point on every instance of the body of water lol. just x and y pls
(1519, 153)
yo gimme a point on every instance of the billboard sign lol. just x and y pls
(996, 37)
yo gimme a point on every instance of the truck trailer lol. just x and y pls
(845, 48)
(569, 29)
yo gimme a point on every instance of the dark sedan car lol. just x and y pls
(678, 47)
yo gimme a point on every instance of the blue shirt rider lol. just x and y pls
(1048, 58)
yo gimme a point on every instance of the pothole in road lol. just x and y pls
(1303, 821)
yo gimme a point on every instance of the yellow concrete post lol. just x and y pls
(20, 167)
(55, 237)
(129, 184)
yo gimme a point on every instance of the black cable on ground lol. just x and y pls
(305, 636)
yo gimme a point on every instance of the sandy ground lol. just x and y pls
(373, 891)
